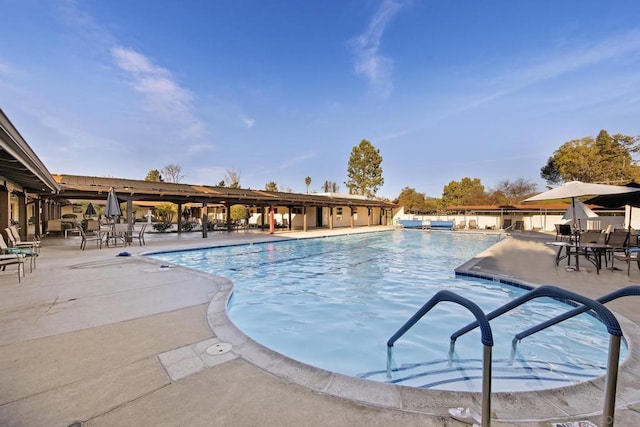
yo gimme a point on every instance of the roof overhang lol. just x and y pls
(19, 165)
(89, 188)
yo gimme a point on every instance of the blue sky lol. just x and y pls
(281, 90)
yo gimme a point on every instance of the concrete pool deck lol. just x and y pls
(114, 341)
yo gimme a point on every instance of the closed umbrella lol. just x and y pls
(113, 205)
(112, 211)
(90, 210)
(578, 211)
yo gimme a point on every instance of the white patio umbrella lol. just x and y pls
(578, 211)
(572, 190)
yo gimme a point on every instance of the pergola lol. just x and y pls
(74, 187)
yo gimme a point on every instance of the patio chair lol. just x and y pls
(622, 250)
(563, 231)
(90, 237)
(473, 224)
(13, 234)
(6, 250)
(54, 226)
(13, 259)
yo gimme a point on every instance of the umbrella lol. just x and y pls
(618, 200)
(576, 189)
(578, 210)
(90, 210)
(113, 206)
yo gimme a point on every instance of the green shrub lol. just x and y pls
(161, 226)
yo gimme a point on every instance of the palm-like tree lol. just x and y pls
(307, 182)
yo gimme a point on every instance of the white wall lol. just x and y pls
(531, 221)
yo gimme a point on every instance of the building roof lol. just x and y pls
(19, 164)
(89, 187)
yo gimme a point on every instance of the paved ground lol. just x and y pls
(114, 341)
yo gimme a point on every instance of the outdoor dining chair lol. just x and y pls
(90, 237)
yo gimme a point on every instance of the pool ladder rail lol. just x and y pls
(482, 320)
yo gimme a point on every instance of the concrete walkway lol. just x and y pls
(116, 341)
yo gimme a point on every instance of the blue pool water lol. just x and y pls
(334, 302)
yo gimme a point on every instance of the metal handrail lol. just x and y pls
(486, 338)
(623, 292)
(606, 317)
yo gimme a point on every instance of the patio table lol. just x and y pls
(592, 252)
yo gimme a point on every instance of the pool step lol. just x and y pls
(507, 375)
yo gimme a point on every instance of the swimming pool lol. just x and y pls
(334, 302)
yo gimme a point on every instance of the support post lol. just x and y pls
(205, 220)
(5, 208)
(330, 217)
(22, 215)
(304, 218)
(37, 206)
(129, 236)
(179, 218)
(272, 226)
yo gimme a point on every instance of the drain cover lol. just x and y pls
(218, 349)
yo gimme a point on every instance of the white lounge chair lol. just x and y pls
(6, 250)
(14, 238)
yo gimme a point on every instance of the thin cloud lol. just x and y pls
(163, 94)
(368, 61)
(248, 121)
(620, 46)
(295, 160)
(200, 148)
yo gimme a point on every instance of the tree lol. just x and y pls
(271, 186)
(464, 193)
(511, 192)
(330, 187)
(172, 173)
(605, 159)
(364, 170)
(239, 212)
(154, 176)
(411, 200)
(166, 211)
(232, 178)
(307, 182)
